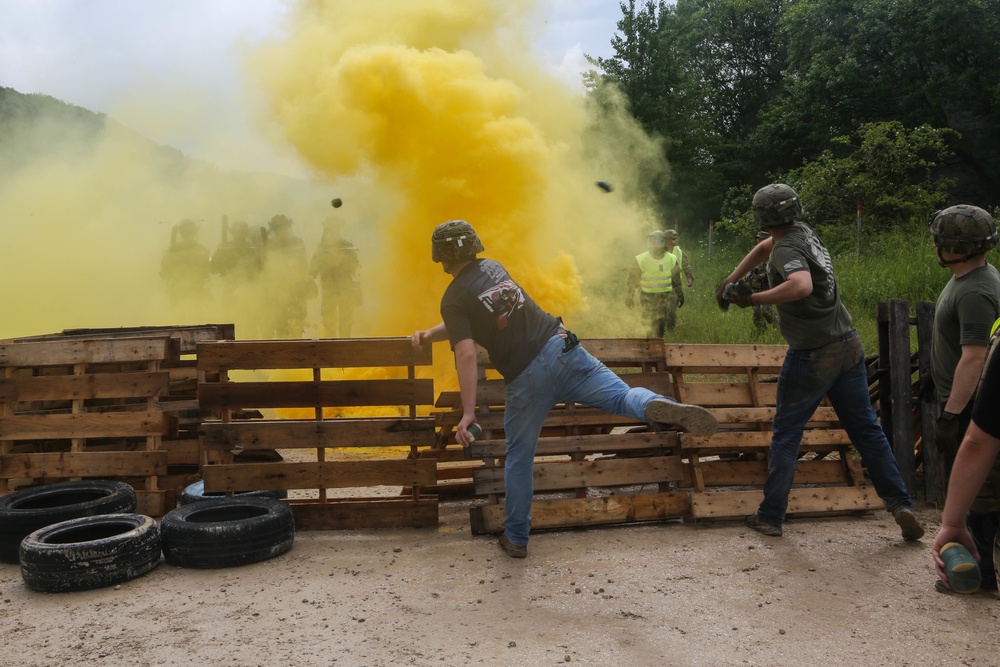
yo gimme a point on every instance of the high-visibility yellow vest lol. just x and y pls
(656, 273)
(679, 255)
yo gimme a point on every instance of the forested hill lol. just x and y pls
(34, 126)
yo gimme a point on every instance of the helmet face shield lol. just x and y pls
(454, 241)
(656, 240)
(964, 229)
(775, 205)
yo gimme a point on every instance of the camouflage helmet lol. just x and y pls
(775, 205)
(964, 229)
(671, 234)
(454, 241)
(279, 221)
(657, 238)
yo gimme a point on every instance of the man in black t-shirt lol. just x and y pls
(542, 364)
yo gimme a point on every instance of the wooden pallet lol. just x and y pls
(639, 361)
(181, 398)
(608, 471)
(72, 409)
(327, 402)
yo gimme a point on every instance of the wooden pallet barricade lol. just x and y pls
(180, 400)
(624, 473)
(585, 455)
(73, 409)
(328, 375)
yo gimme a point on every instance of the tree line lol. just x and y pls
(881, 108)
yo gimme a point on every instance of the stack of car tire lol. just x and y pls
(71, 536)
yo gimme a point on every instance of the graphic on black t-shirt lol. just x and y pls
(502, 300)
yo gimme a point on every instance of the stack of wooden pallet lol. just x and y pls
(180, 399)
(595, 468)
(325, 403)
(87, 409)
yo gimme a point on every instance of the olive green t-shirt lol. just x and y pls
(819, 318)
(965, 312)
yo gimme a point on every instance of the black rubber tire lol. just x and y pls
(194, 493)
(26, 510)
(90, 552)
(227, 532)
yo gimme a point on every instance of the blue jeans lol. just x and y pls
(836, 370)
(552, 377)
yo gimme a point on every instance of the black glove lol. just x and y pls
(946, 434)
(680, 299)
(739, 293)
(720, 296)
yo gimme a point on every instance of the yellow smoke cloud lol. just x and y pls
(440, 103)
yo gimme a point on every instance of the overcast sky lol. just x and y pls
(99, 54)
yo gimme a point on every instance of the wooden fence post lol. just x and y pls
(935, 473)
(899, 373)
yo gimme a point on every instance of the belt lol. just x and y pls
(848, 335)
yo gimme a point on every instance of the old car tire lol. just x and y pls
(226, 532)
(90, 552)
(26, 510)
(196, 492)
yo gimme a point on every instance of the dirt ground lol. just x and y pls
(831, 591)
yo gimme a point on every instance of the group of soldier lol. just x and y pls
(267, 279)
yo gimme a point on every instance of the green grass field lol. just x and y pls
(896, 265)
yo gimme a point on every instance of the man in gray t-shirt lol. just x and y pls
(825, 358)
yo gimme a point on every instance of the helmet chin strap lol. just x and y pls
(948, 262)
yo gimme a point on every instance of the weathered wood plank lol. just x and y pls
(187, 336)
(736, 440)
(725, 358)
(83, 464)
(728, 394)
(365, 514)
(86, 425)
(296, 434)
(319, 475)
(355, 393)
(567, 512)
(584, 444)
(626, 352)
(315, 353)
(754, 473)
(719, 504)
(83, 387)
(559, 475)
(73, 352)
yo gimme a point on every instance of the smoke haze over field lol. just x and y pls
(436, 103)
(414, 113)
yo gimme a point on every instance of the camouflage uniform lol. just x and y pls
(286, 278)
(185, 265)
(336, 264)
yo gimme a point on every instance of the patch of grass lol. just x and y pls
(898, 264)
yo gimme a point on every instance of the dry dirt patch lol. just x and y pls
(830, 591)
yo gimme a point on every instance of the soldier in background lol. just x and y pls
(185, 264)
(682, 259)
(757, 279)
(656, 274)
(287, 283)
(336, 264)
(238, 263)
